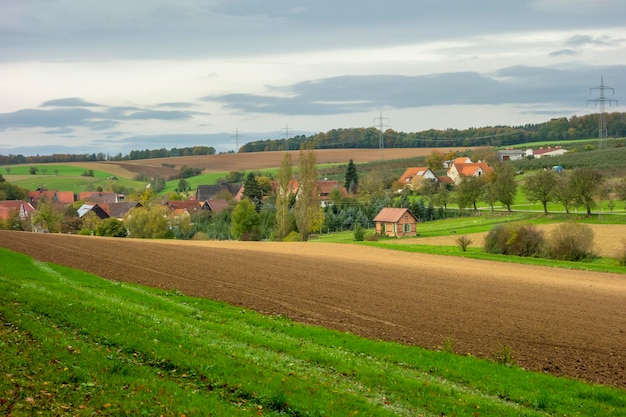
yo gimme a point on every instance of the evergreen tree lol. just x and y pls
(352, 178)
(252, 191)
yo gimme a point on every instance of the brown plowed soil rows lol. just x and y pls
(564, 322)
(250, 161)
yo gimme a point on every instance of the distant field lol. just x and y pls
(224, 163)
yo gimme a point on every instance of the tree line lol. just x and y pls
(576, 127)
(98, 157)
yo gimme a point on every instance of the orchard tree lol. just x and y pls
(563, 192)
(307, 204)
(504, 185)
(541, 187)
(246, 222)
(283, 198)
(352, 178)
(585, 184)
(469, 191)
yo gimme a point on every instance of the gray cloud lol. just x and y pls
(69, 116)
(564, 52)
(68, 102)
(159, 28)
(347, 94)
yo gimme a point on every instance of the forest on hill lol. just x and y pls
(576, 127)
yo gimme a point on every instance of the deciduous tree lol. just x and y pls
(469, 191)
(541, 187)
(245, 221)
(585, 183)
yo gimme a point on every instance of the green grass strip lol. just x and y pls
(73, 343)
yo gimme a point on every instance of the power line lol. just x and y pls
(601, 102)
(381, 121)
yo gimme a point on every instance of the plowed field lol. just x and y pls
(569, 323)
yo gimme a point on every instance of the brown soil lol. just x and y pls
(249, 161)
(568, 323)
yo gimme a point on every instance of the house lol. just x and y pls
(395, 222)
(98, 197)
(207, 192)
(549, 151)
(192, 206)
(23, 209)
(412, 175)
(325, 188)
(510, 154)
(53, 197)
(217, 206)
(458, 170)
(92, 208)
(120, 209)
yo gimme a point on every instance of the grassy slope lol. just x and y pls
(73, 343)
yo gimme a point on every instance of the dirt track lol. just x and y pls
(564, 322)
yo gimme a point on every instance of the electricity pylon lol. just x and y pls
(381, 125)
(601, 102)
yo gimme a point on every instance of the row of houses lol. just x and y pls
(457, 169)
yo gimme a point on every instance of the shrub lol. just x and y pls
(463, 242)
(371, 236)
(359, 232)
(571, 242)
(511, 239)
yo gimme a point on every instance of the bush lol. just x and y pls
(571, 242)
(359, 232)
(514, 239)
(200, 236)
(463, 242)
(371, 236)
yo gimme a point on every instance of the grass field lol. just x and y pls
(75, 344)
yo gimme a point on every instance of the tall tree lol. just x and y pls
(283, 197)
(541, 187)
(585, 183)
(252, 191)
(352, 178)
(563, 192)
(307, 204)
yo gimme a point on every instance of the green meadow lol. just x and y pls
(72, 343)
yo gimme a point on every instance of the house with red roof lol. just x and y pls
(414, 175)
(395, 222)
(50, 196)
(10, 207)
(458, 170)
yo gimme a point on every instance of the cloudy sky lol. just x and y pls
(111, 76)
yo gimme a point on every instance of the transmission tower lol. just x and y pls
(381, 125)
(286, 129)
(601, 102)
(236, 140)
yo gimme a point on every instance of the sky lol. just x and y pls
(86, 76)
